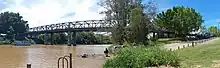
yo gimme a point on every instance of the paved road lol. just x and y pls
(174, 46)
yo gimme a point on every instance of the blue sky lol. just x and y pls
(43, 12)
(209, 9)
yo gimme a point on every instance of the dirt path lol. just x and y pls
(175, 46)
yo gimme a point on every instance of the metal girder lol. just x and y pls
(77, 25)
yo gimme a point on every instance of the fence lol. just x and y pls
(192, 44)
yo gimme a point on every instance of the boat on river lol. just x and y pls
(22, 43)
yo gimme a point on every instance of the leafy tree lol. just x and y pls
(8, 19)
(117, 10)
(41, 36)
(180, 20)
(81, 38)
(10, 34)
(213, 30)
(86, 38)
(62, 39)
(12, 24)
(138, 25)
(120, 10)
(203, 29)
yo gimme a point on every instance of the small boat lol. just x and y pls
(22, 43)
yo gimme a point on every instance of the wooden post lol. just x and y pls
(192, 44)
(178, 47)
(183, 46)
(170, 49)
(188, 45)
(28, 65)
(70, 60)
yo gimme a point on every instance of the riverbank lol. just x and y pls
(201, 56)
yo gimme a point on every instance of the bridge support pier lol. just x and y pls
(46, 38)
(74, 38)
(51, 38)
(69, 38)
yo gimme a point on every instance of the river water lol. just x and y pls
(46, 56)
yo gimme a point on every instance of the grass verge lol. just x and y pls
(206, 55)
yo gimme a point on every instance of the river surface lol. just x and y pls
(46, 56)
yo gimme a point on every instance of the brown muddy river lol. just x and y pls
(46, 56)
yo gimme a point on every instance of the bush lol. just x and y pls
(111, 49)
(140, 57)
(156, 56)
(126, 58)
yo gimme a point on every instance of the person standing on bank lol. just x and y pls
(106, 52)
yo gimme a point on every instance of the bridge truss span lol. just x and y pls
(87, 25)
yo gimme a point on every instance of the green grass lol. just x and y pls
(202, 56)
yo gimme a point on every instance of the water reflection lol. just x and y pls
(45, 56)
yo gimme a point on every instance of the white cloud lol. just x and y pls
(44, 12)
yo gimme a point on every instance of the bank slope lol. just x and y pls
(205, 55)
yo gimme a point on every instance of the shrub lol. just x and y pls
(140, 57)
(111, 49)
(126, 58)
(156, 56)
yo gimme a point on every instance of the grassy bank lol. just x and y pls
(205, 55)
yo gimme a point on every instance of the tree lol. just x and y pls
(117, 10)
(179, 20)
(62, 38)
(120, 10)
(213, 30)
(10, 34)
(203, 29)
(139, 29)
(12, 23)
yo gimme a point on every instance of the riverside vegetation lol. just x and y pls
(141, 50)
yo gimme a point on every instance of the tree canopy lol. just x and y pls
(180, 20)
(138, 26)
(12, 23)
(213, 30)
(118, 10)
(121, 10)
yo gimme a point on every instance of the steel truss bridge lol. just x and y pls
(72, 27)
(77, 26)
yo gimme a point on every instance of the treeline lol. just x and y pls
(81, 38)
(144, 19)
